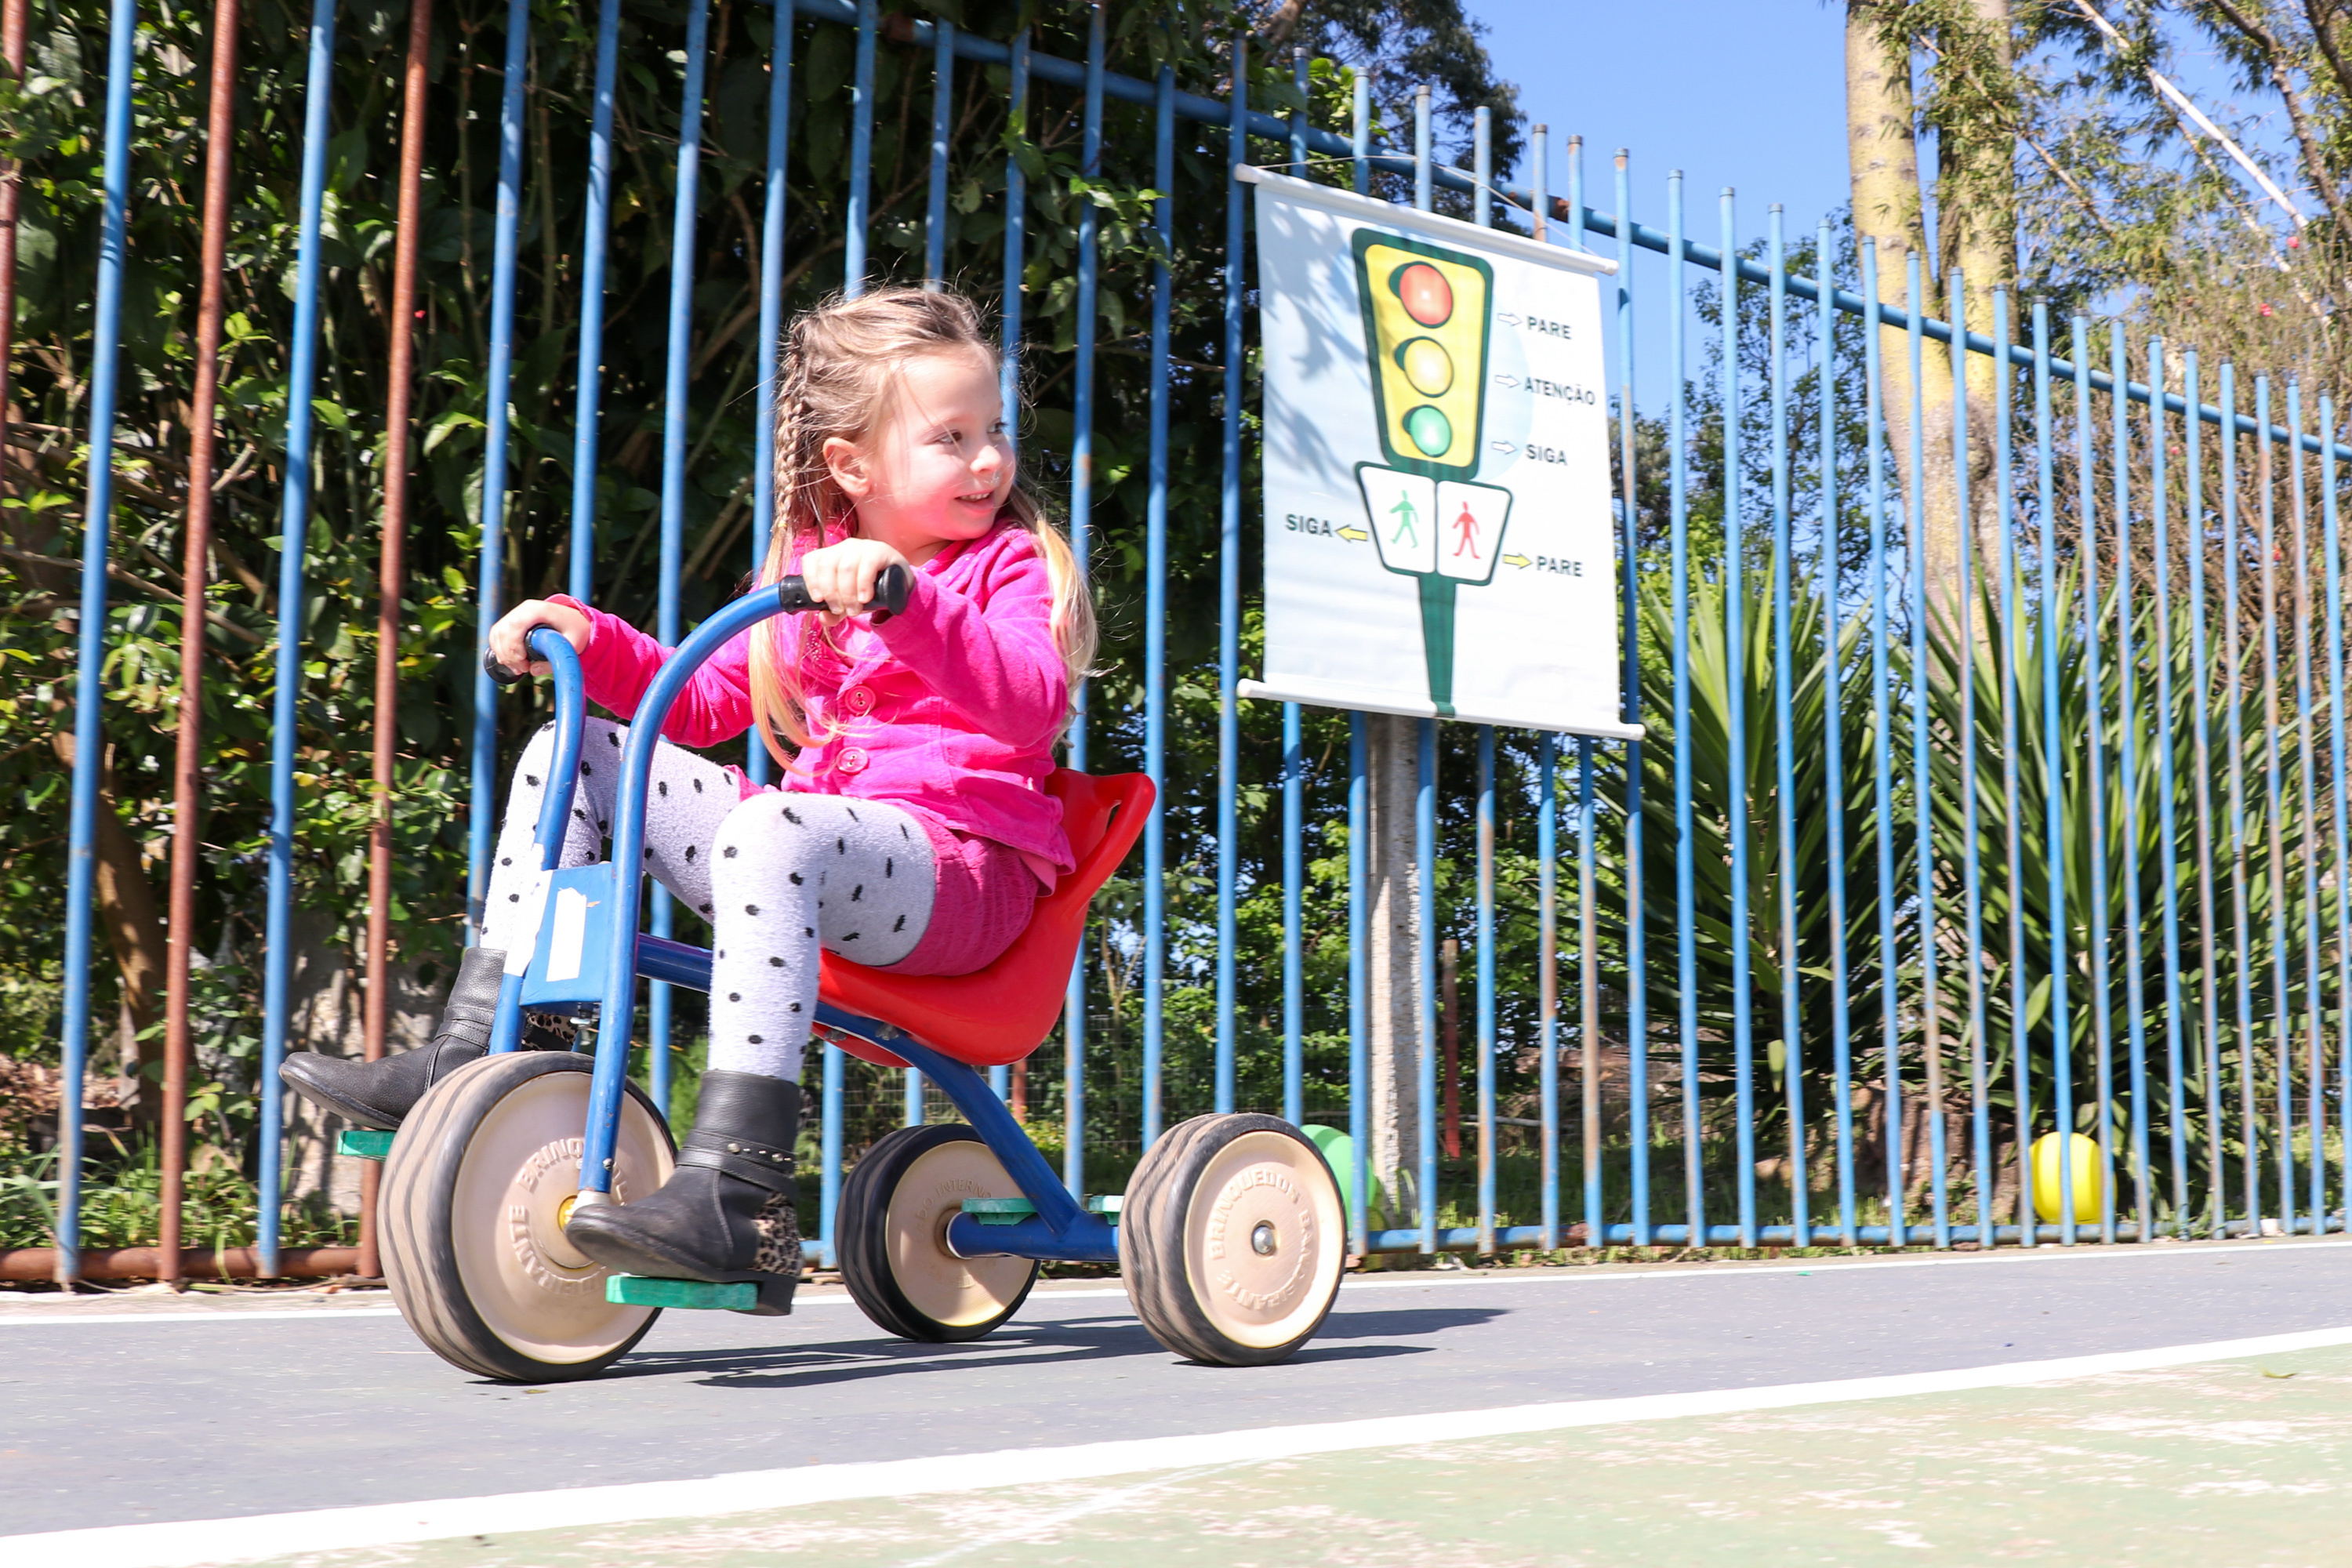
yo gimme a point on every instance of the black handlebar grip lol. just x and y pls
(890, 592)
(498, 672)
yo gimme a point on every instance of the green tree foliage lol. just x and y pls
(48, 120)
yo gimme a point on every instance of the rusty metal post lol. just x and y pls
(196, 562)
(11, 47)
(392, 573)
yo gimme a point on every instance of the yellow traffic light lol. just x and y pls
(1427, 311)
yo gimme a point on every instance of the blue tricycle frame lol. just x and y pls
(612, 953)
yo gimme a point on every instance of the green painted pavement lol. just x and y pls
(2215, 1465)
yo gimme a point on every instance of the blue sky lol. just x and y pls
(1746, 93)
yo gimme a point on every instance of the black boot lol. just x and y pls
(380, 1094)
(726, 1213)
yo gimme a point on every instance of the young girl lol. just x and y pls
(911, 830)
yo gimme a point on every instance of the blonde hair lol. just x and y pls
(843, 362)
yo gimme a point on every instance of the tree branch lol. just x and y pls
(2274, 55)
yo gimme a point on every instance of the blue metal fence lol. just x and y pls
(1852, 1057)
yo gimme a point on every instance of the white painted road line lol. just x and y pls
(201, 1541)
(1588, 1274)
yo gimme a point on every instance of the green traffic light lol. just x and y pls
(1430, 430)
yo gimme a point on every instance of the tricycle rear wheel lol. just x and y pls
(890, 1236)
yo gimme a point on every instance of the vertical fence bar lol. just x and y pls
(2240, 927)
(13, 19)
(1637, 983)
(2127, 708)
(301, 371)
(859, 216)
(2202, 772)
(1425, 851)
(772, 324)
(1784, 728)
(1546, 844)
(1082, 507)
(1294, 983)
(1964, 447)
(1547, 981)
(2332, 539)
(195, 566)
(2053, 828)
(1155, 634)
(1963, 670)
(1486, 988)
(2305, 835)
(392, 576)
(1915, 551)
(677, 393)
(1016, 221)
(1685, 848)
(1360, 936)
(935, 212)
(481, 819)
(596, 233)
(1736, 666)
(1589, 996)
(1016, 233)
(1424, 823)
(2273, 808)
(1294, 786)
(89, 736)
(1832, 686)
(2013, 629)
(2095, 742)
(1882, 774)
(1229, 581)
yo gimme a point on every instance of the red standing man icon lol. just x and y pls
(1465, 527)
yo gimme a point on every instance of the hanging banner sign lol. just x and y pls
(1439, 536)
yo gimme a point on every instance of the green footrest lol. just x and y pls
(644, 1291)
(363, 1143)
(999, 1211)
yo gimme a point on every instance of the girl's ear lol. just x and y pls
(847, 465)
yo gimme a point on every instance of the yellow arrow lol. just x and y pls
(1353, 535)
(1517, 561)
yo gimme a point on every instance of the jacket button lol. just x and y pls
(853, 760)
(860, 699)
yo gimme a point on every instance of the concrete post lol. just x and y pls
(1394, 981)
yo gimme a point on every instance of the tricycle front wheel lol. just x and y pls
(477, 1190)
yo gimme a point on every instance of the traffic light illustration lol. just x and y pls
(1428, 315)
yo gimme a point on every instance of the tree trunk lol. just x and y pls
(1882, 158)
(134, 929)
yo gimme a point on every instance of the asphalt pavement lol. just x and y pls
(130, 1410)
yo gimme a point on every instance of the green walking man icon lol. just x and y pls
(1402, 511)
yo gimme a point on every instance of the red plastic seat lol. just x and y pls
(1005, 1010)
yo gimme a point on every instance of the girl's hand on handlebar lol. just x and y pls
(841, 576)
(507, 638)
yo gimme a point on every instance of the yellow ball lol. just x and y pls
(1427, 365)
(2081, 1156)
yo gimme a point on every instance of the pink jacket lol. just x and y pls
(951, 709)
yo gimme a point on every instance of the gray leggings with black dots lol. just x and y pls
(777, 875)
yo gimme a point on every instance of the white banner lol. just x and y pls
(1439, 538)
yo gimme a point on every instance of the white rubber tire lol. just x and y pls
(1233, 1239)
(891, 1236)
(474, 1194)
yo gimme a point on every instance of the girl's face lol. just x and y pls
(937, 467)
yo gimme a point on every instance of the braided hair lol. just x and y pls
(842, 362)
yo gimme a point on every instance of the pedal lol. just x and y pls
(364, 1143)
(687, 1295)
(999, 1211)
